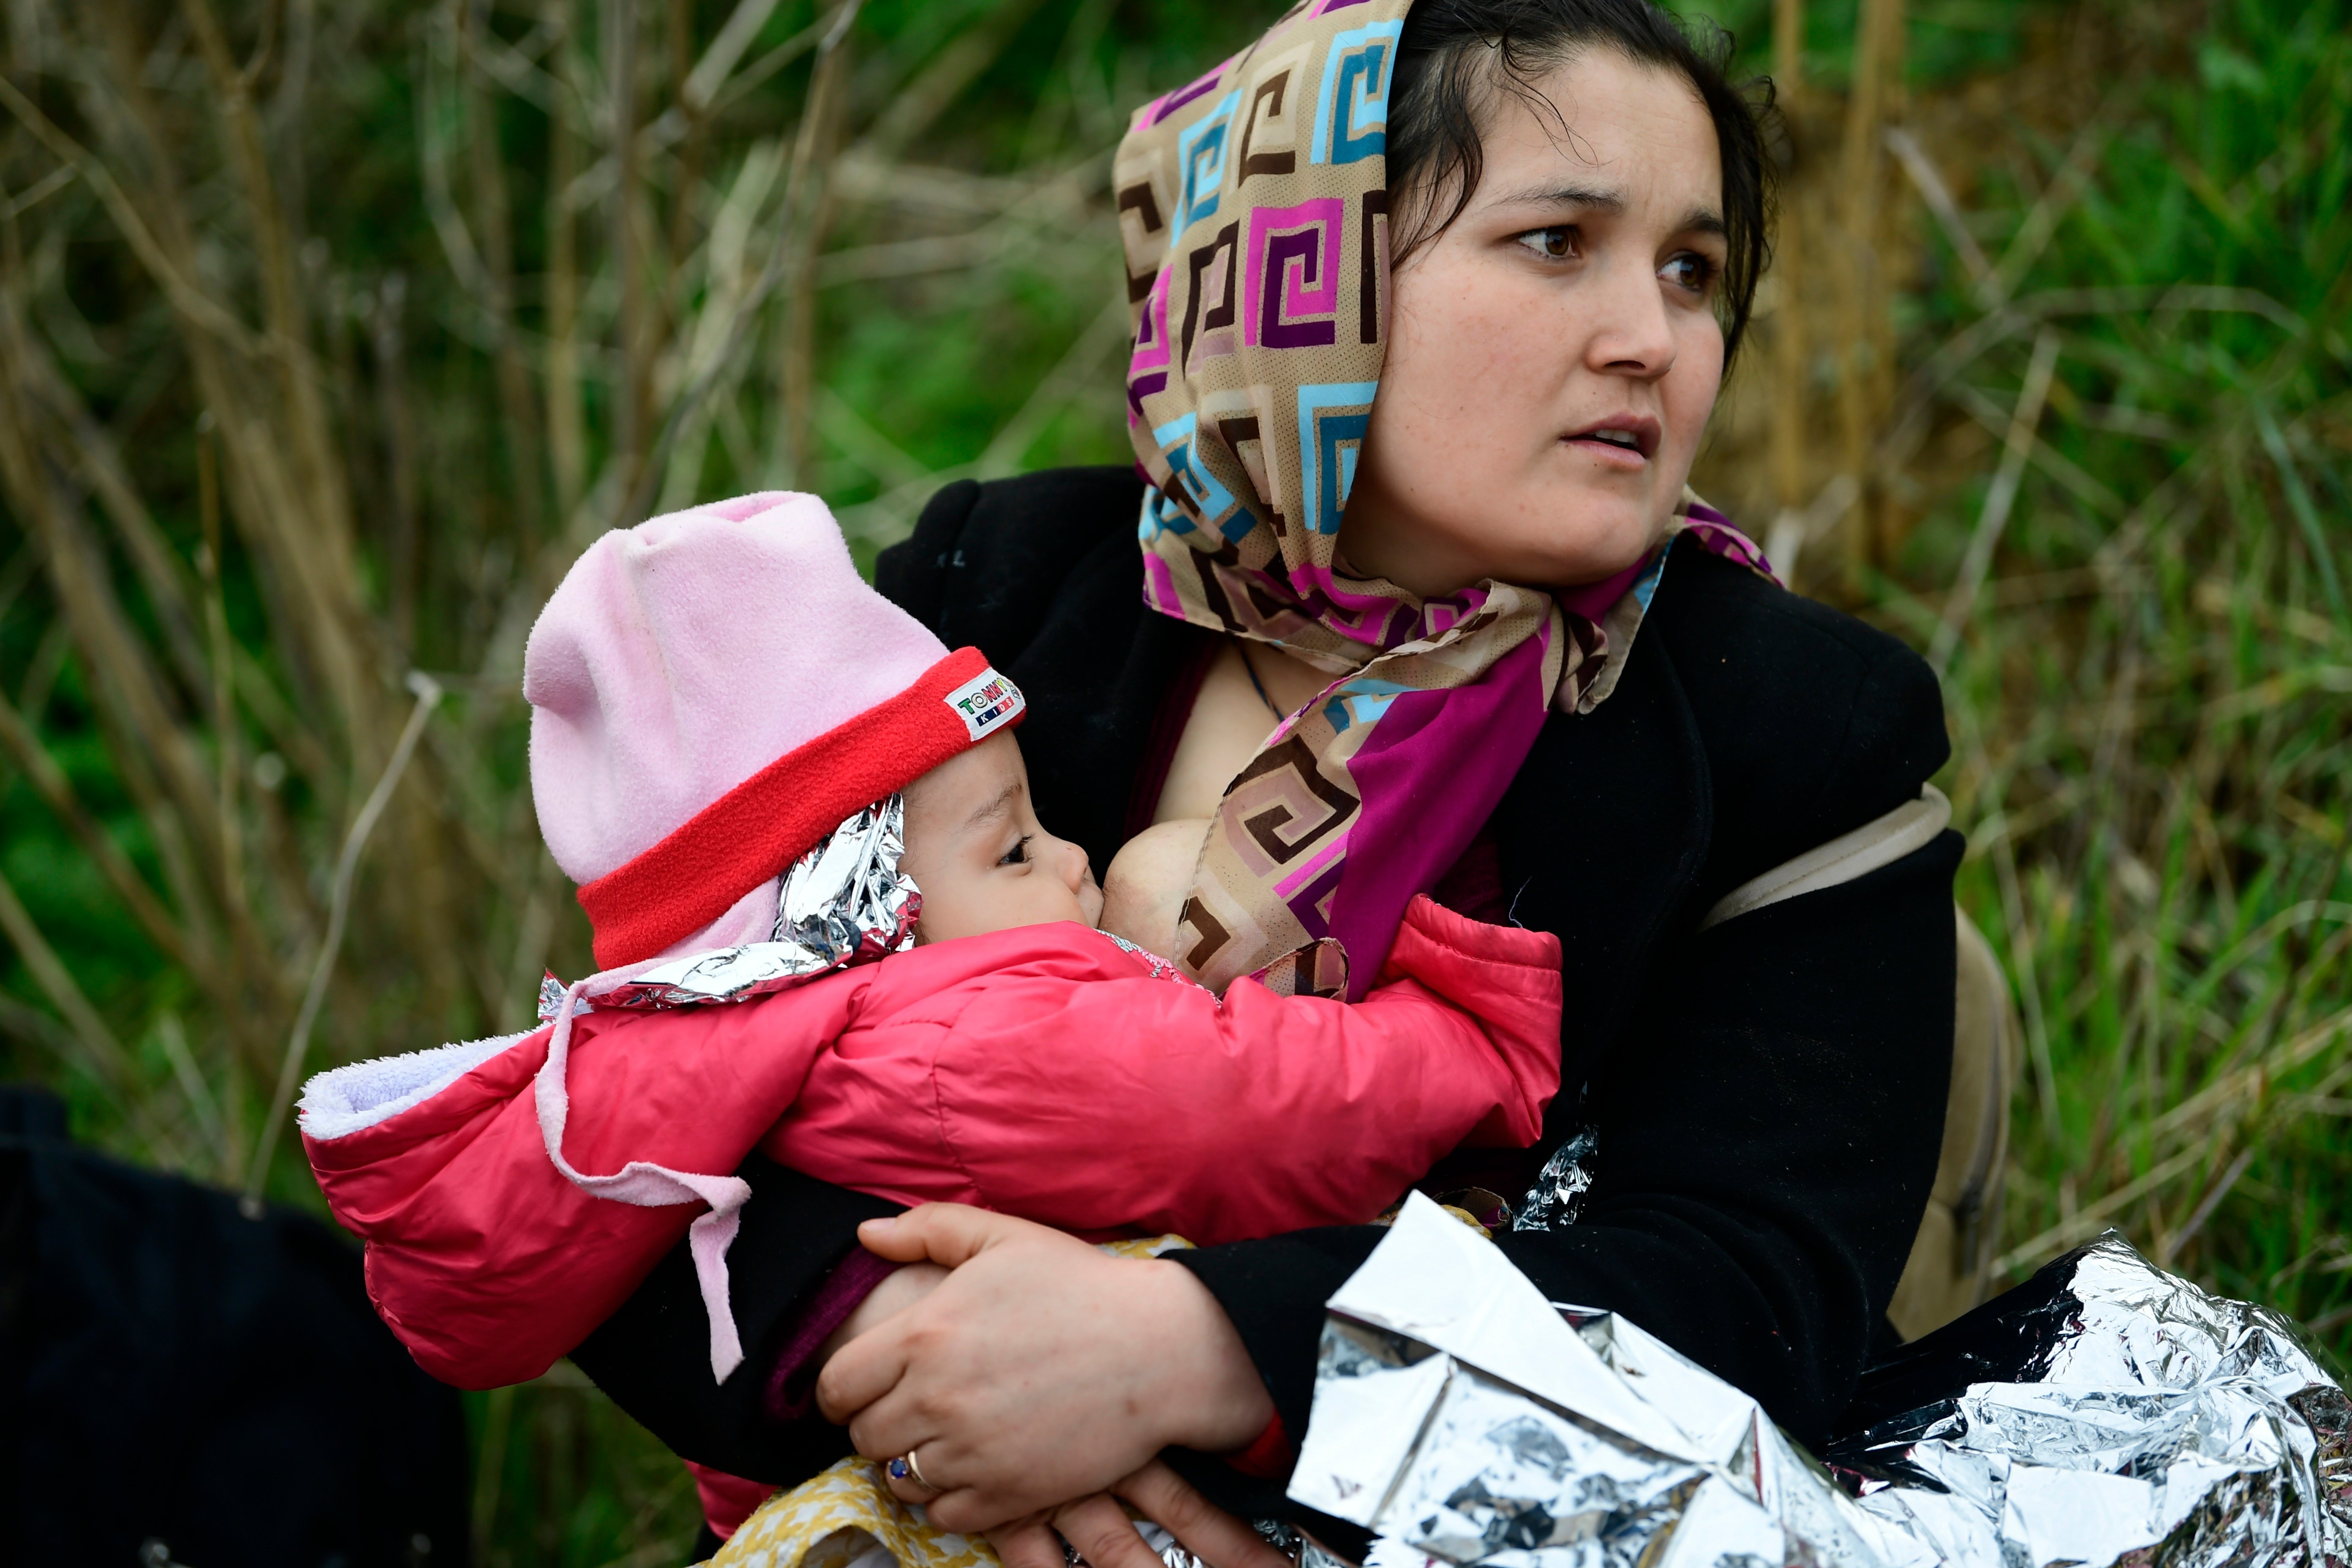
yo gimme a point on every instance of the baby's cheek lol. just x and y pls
(944, 911)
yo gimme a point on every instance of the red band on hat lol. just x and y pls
(753, 831)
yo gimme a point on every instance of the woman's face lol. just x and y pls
(1554, 354)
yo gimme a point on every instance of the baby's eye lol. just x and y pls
(1018, 855)
(1558, 242)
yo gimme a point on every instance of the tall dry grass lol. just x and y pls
(2096, 310)
(329, 334)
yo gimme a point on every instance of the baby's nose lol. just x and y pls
(1075, 870)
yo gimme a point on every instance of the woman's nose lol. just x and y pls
(1630, 334)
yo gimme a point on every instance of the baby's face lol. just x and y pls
(975, 849)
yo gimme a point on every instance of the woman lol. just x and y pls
(1569, 698)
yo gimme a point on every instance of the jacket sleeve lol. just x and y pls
(652, 1356)
(1758, 1165)
(1099, 1104)
(489, 1264)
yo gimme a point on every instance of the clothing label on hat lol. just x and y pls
(986, 703)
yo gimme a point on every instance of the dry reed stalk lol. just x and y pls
(100, 1051)
(708, 367)
(296, 506)
(1789, 48)
(493, 213)
(1792, 368)
(398, 427)
(807, 209)
(1862, 329)
(715, 341)
(567, 438)
(283, 474)
(339, 902)
(631, 390)
(99, 465)
(1998, 497)
(284, 444)
(132, 701)
(223, 681)
(57, 793)
(211, 1121)
(695, 141)
(917, 106)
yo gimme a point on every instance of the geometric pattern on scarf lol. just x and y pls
(1253, 207)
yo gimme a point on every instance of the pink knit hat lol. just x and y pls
(712, 693)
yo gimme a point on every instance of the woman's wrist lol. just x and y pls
(1218, 1403)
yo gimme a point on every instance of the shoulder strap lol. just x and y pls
(1880, 842)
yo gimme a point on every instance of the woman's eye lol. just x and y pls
(1018, 855)
(1689, 272)
(1558, 242)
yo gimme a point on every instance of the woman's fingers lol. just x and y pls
(899, 1422)
(906, 1487)
(866, 1361)
(864, 1369)
(1031, 1544)
(1103, 1534)
(949, 1234)
(1216, 1537)
(1040, 1370)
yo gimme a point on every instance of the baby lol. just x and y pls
(984, 863)
(721, 708)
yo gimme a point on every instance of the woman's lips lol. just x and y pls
(1609, 455)
(1625, 442)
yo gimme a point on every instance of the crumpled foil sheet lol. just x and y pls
(2105, 1413)
(846, 901)
(1557, 1199)
(2106, 1409)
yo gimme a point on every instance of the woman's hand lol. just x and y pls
(899, 1289)
(1041, 1370)
(1099, 1526)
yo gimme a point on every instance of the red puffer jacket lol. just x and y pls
(1046, 1071)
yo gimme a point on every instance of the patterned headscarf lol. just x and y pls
(1255, 208)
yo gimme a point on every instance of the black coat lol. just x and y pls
(172, 1371)
(1769, 1095)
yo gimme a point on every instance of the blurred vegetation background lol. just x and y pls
(329, 334)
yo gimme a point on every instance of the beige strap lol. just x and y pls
(1908, 828)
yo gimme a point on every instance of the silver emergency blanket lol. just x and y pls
(844, 901)
(2113, 1414)
(2104, 1410)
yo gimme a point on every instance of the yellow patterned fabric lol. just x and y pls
(845, 1513)
(848, 1512)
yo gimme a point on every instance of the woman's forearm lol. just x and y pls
(1765, 1154)
(653, 1356)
